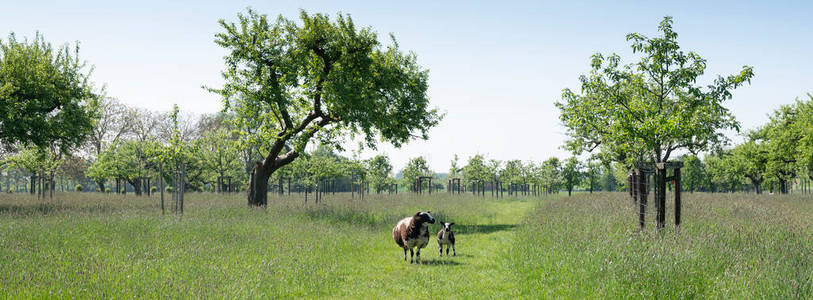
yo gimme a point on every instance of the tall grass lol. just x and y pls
(585, 246)
(730, 246)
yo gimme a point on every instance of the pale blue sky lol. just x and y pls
(495, 67)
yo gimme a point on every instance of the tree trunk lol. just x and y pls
(136, 186)
(258, 186)
(100, 183)
(33, 184)
(783, 186)
(161, 178)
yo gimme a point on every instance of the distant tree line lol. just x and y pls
(776, 157)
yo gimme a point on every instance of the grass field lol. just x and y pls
(92, 245)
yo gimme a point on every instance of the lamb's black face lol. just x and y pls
(425, 217)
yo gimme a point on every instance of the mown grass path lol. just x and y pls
(481, 268)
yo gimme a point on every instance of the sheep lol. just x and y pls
(412, 232)
(446, 237)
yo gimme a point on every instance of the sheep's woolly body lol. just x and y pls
(446, 237)
(410, 233)
(413, 232)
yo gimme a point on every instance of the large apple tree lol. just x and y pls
(290, 82)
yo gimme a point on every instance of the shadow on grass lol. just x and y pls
(459, 255)
(439, 262)
(467, 229)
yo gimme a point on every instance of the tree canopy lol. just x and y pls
(416, 167)
(289, 82)
(647, 110)
(46, 96)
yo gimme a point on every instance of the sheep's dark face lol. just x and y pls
(425, 217)
(448, 227)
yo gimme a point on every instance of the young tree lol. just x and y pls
(37, 162)
(804, 126)
(723, 172)
(552, 174)
(46, 97)
(455, 169)
(325, 165)
(693, 173)
(220, 157)
(750, 159)
(415, 168)
(513, 174)
(783, 145)
(476, 170)
(379, 171)
(608, 180)
(648, 110)
(592, 173)
(494, 167)
(114, 122)
(324, 79)
(572, 174)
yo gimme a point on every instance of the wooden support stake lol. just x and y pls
(641, 187)
(677, 199)
(660, 197)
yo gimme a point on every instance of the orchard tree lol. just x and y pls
(326, 165)
(220, 157)
(648, 110)
(46, 97)
(552, 174)
(512, 174)
(37, 162)
(114, 122)
(476, 170)
(320, 79)
(751, 159)
(723, 172)
(693, 175)
(608, 180)
(74, 167)
(572, 174)
(379, 171)
(493, 169)
(592, 173)
(127, 160)
(804, 126)
(782, 145)
(455, 169)
(415, 168)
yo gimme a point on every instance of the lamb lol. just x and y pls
(412, 232)
(446, 237)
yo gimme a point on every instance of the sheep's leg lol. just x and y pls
(411, 255)
(418, 259)
(441, 249)
(404, 254)
(447, 250)
(453, 252)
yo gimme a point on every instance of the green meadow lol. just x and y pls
(113, 246)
